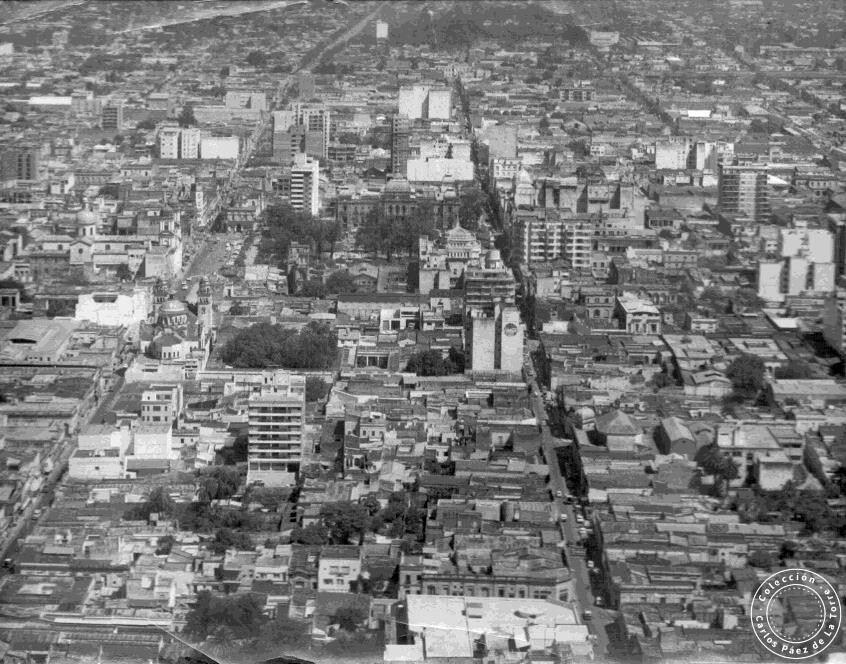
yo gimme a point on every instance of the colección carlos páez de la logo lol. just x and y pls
(795, 614)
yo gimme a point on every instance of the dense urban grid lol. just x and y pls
(418, 332)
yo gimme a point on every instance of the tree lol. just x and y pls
(224, 72)
(344, 521)
(472, 205)
(158, 502)
(349, 617)
(265, 344)
(241, 614)
(747, 375)
(543, 125)
(226, 538)
(313, 288)
(313, 533)
(164, 545)
(186, 116)
(256, 59)
(371, 504)
(124, 273)
(745, 298)
(795, 369)
(340, 282)
(712, 460)
(430, 363)
(218, 483)
(316, 389)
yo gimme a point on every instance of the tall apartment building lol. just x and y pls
(381, 30)
(276, 417)
(19, 162)
(400, 150)
(169, 142)
(189, 143)
(179, 143)
(314, 117)
(539, 237)
(490, 285)
(305, 184)
(744, 193)
(111, 117)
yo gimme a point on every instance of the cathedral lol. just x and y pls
(176, 335)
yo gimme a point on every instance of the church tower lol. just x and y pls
(205, 305)
(160, 296)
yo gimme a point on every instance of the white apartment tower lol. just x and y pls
(276, 417)
(305, 184)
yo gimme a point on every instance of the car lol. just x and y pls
(600, 601)
(559, 493)
(591, 565)
(564, 518)
(587, 615)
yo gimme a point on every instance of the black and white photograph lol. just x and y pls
(422, 331)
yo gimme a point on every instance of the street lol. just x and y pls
(575, 553)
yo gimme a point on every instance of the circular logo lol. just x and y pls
(510, 329)
(795, 614)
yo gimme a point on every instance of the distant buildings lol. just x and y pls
(381, 30)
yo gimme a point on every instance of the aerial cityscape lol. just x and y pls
(422, 332)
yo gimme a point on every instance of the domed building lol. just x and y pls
(443, 263)
(176, 334)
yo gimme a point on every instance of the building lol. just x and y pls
(276, 418)
(189, 143)
(484, 625)
(315, 118)
(256, 101)
(19, 162)
(806, 265)
(220, 147)
(496, 341)
(305, 184)
(490, 285)
(834, 321)
(169, 142)
(161, 404)
(400, 151)
(436, 170)
(381, 30)
(636, 315)
(744, 193)
(111, 118)
(672, 153)
(541, 237)
(179, 143)
(339, 568)
(423, 102)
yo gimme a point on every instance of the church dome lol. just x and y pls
(86, 217)
(173, 308)
(398, 186)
